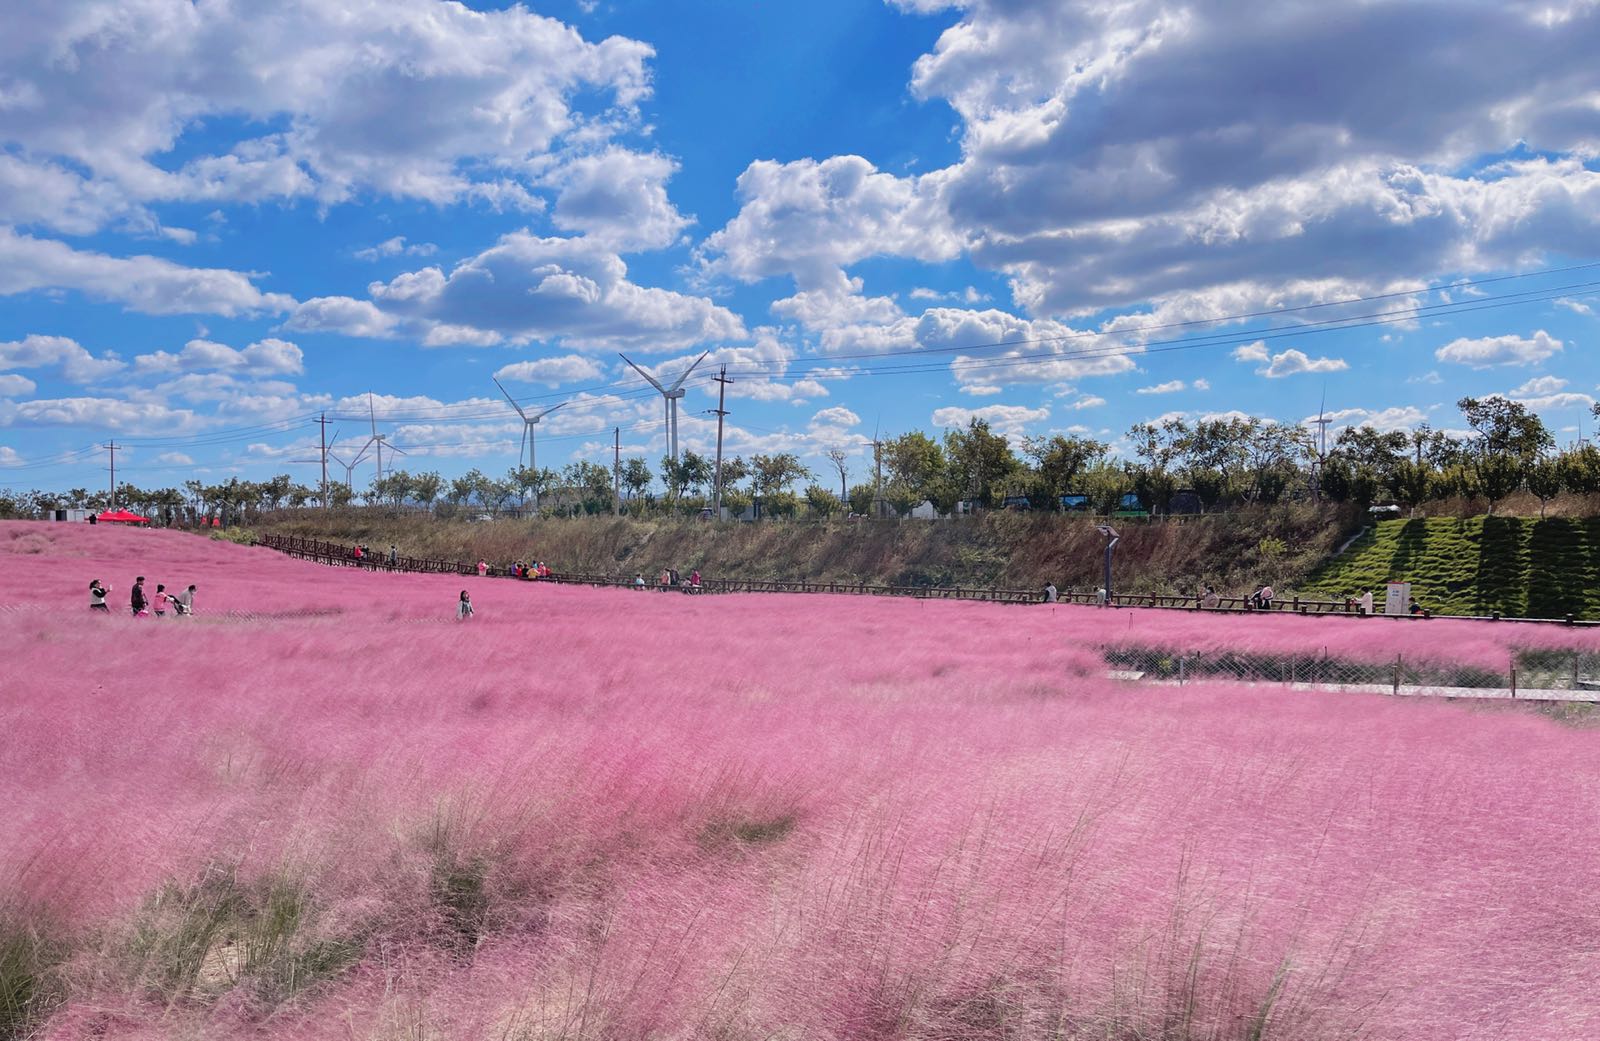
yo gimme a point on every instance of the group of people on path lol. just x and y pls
(669, 579)
(363, 553)
(141, 602)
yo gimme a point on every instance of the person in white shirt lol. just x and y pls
(464, 607)
(97, 596)
(1049, 592)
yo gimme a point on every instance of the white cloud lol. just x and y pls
(619, 198)
(809, 219)
(1539, 386)
(9, 456)
(1088, 401)
(1010, 420)
(14, 386)
(409, 98)
(835, 416)
(1485, 352)
(1547, 394)
(1169, 387)
(1116, 153)
(1201, 384)
(396, 247)
(552, 372)
(267, 357)
(530, 288)
(1291, 362)
(102, 413)
(341, 314)
(174, 459)
(1402, 417)
(1558, 402)
(75, 363)
(141, 283)
(1431, 378)
(1576, 306)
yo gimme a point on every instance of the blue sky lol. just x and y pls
(218, 221)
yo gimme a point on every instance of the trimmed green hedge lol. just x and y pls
(1519, 566)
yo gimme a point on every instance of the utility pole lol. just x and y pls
(112, 447)
(616, 471)
(877, 486)
(722, 387)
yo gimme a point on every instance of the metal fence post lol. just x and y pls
(1183, 660)
(1513, 671)
(1397, 674)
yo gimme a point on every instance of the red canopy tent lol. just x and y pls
(120, 517)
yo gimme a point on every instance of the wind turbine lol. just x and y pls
(350, 467)
(670, 396)
(1321, 424)
(528, 423)
(376, 439)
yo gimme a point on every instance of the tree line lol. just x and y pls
(1175, 465)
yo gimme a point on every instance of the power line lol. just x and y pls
(818, 368)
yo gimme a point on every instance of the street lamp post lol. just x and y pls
(1111, 544)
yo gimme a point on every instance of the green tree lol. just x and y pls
(1580, 468)
(591, 482)
(1546, 478)
(426, 487)
(1156, 448)
(1058, 460)
(914, 468)
(1412, 482)
(636, 476)
(776, 473)
(980, 461)
(1510, 439)
(821, 502)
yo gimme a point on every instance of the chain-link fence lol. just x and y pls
(1576, 673)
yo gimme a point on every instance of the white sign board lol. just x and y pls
(1398, 602)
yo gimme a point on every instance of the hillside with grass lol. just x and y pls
(1521, 567)
(1233, 551)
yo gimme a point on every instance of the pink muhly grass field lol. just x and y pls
(609, 814)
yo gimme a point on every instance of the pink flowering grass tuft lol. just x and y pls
(602, 813)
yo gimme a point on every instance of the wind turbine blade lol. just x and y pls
(511, 399)
(685, 373)
(398, 449)
(522, 451)
(653, 381)
(373, 412)
(551, 409)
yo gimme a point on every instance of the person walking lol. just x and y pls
(394, 555)
(483, 568)
(638, 580)
(1050, 593)
(183, 603)
(694, 580)
(97, 596)
(1210, 600)
(136, 598)
(161, 600)
(464, 607)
